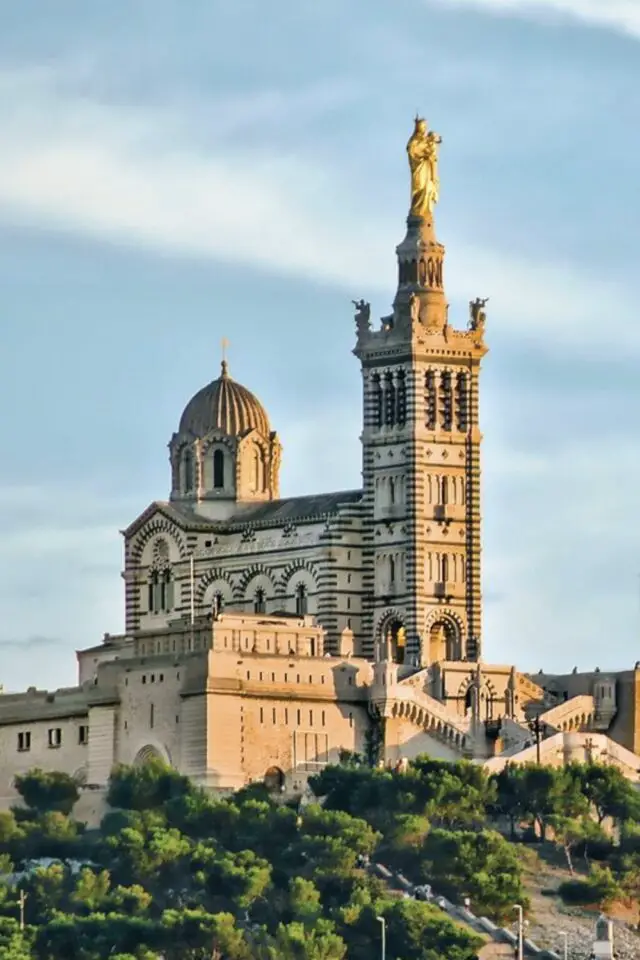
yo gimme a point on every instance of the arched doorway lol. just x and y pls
(274, 780)
(395, 637)
(444, 642)
(148, 754)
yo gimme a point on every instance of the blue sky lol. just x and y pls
(168, 178)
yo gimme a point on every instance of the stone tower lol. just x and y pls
(421, 450)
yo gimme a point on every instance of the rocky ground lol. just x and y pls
(549, 915)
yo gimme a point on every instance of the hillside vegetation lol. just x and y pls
(177, 872)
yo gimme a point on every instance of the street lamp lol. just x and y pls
(538, 730)
(520, 912)
(383, 946)
(564, 936)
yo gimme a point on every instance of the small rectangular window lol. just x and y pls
(274, 714)
(298, 712)
(286, 715)
(177, 719)
(310, 718)
(323, 718)
(153, 678)
(55, 736)
(24, 742)
(248, 674)
(151, 715)
(126, 725)
(286, 678)
(298, 678)
(350, 719)
(161, 678)
(273, 678)
(261, 715)
(261, 674)
(310, 679)
(144, 678)
(83, 734)
(322, 678)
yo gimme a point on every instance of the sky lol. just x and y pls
(173, 175)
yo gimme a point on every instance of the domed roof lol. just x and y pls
(226, 406)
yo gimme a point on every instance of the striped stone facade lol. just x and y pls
(397, 562)
(421, 467)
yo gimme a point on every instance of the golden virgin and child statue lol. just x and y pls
(422, 150)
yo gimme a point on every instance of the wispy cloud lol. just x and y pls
(622, 15)
(138, 177)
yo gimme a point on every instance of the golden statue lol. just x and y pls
(423, 163)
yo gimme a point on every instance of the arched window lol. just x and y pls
(259, 601)
(401, 400)
(258, 470)
(446, 400)
(462, 402)
(217, 604)
(430, 400)
(390, 401)
(166, 591)
(154, 596)
(396, 641)
(188, 472)
(218, 469)
(302, 600)
(377, 401)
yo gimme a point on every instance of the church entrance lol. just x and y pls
(396, 641)
(444, 642)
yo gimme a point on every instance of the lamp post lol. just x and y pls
(520, 913)
(537, 729)
(565, 952)
(383, 945)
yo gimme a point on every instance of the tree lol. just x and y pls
(15, 944)
(479, 864)
(295, 941)
(609, 792)
(511, 796)
(414, 931)
(147, 786)
(48, 792)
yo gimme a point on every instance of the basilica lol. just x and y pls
(266, 637)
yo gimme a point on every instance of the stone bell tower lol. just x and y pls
(421, 449)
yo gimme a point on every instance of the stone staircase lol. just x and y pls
(407, 699)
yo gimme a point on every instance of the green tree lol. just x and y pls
(414, 931)
(296, 941)
(479, 864)
(147, 786)
(609, 792)
(48, 792)
(15, 944)
(511, 796)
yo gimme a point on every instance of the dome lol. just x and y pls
(226, 406)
